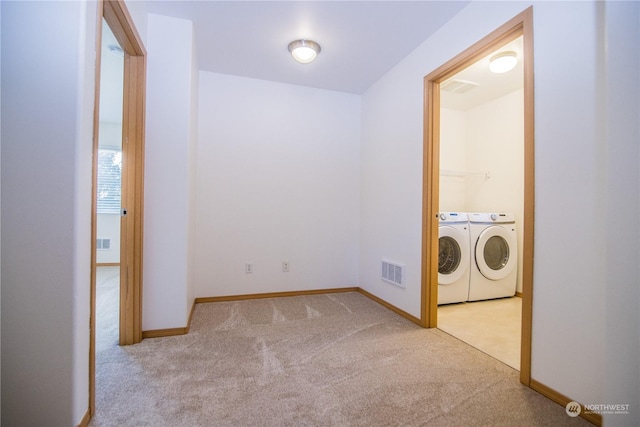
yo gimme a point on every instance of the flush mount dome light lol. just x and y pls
(304, 51)
(503, 62)
(116, 50)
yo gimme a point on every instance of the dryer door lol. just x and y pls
(494, 256)
(453, 254)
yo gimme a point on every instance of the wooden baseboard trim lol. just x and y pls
(170, 332)
(519, 294)
(193, 307)
(159, 333)
(391, 307)
(107, 264)
(84, 422)
(561, 399)
(202, 300)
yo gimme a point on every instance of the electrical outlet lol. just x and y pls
(285, 266)
(248, 268)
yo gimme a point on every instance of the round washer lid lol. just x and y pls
(494, 254)
(453, 254)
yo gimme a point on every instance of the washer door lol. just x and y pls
(453, 254)
(494, 257)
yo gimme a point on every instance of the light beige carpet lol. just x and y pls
(323, 360)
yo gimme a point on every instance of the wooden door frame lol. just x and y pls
(521, 25)
(116, 15)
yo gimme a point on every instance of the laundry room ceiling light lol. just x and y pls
(304, 51)
(503, 62)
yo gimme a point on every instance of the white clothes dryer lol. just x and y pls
(494, 256)
(453, 258)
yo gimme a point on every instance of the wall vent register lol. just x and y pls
(393, 273)
(103, 244)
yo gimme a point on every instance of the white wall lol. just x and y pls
(278, 180)
(193, 177)
(453, 159)
(0, 218)
(622, 100)
(391, 202)
(108, 225)
(569, 263)
(168, 154)
(46, 199)
(570, 272)
(495, 144)
(138, 12)
(486, 138)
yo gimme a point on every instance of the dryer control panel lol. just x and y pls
(499, 218)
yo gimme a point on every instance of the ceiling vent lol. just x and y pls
(458, 86)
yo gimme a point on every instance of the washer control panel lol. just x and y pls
(453, 217)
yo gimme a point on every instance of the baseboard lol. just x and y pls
(107, 264)
(170, 332)
(561, 399)
(193, 308)
(159, 333)
(380, 301)
(273, 295)
(84, 422)
(519, 294)
(391, 307)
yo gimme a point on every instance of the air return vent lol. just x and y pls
(393, 273)
(457, 86)
(103, 244)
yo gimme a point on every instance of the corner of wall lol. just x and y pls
(193, 176)
(0, 211)
(83, 190)
(170, 140)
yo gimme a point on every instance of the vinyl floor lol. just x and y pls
(491, 326)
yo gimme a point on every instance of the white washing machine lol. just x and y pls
(494, 256)
(453, 258)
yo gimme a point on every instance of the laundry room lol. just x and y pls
(482, 171)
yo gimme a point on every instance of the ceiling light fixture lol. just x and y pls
(503, 61)
(304, 51)
(116, 50)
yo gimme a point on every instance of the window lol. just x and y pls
(109, 181)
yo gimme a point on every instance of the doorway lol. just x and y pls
(129, 159)
(109, 193)
(481, 171)
(520, 26)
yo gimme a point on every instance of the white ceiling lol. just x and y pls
(489, 85)
(360, 40)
